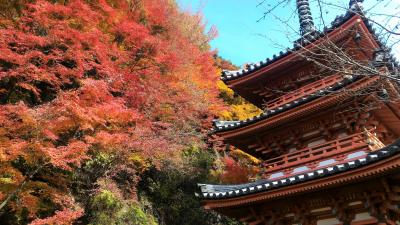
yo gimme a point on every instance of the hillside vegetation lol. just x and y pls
(105, 110)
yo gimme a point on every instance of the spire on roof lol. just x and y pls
(356, 6)
(305, 18)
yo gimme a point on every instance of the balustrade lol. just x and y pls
(303, 91)
(335, 149)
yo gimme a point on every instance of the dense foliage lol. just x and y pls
(238, 108)
(96, 95)
(234, 166)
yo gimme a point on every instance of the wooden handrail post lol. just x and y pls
(338, 146)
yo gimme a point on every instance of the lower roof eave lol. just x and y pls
(383, 164)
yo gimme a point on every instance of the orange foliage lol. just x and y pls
(64, 217)
(236, 172)
(127, 79)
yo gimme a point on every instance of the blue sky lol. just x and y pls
(242, 39)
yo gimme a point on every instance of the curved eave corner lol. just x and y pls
(227, 75)
(222, 126)
(215, 192)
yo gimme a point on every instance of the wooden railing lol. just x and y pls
(319, 153)
(303, 91)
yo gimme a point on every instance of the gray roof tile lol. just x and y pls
(210, 191)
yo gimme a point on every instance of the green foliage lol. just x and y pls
(135, 215)
(105, 208)
(95, 95)
(108, 209)
(171, 190)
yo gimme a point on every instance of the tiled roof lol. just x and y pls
(305, 40)
(229, 125)
(390, 61)
(209, 191)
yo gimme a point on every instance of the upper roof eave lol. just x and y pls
(339, 21)
(255, 68)
(227, 75)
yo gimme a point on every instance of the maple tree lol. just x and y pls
(93, 93)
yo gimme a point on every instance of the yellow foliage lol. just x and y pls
(140, 163)
(224, 88)
(243, 155)
(6, 180)
(239, 108)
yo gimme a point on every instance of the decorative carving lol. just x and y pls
(380, 204)
(379, 197)
(342, 211)
(303, 215)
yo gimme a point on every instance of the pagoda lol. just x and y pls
(328, 137)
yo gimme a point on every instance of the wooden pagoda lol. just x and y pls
(328, 139)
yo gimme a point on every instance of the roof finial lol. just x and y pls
(356, 6)
(305, 18)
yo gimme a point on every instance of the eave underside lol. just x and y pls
(334, 204)
(385, 160)
(240, 131)
(366, 191)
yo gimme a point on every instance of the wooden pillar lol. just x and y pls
(342, 211)
(274, 217)
(384, 220)
(377, 203)
(259, 219)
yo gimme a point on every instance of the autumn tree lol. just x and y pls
(93, 95)
(233, 165)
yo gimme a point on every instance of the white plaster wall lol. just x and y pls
(331, 221)
(316, 142)
(334, 221)
(362, 216)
